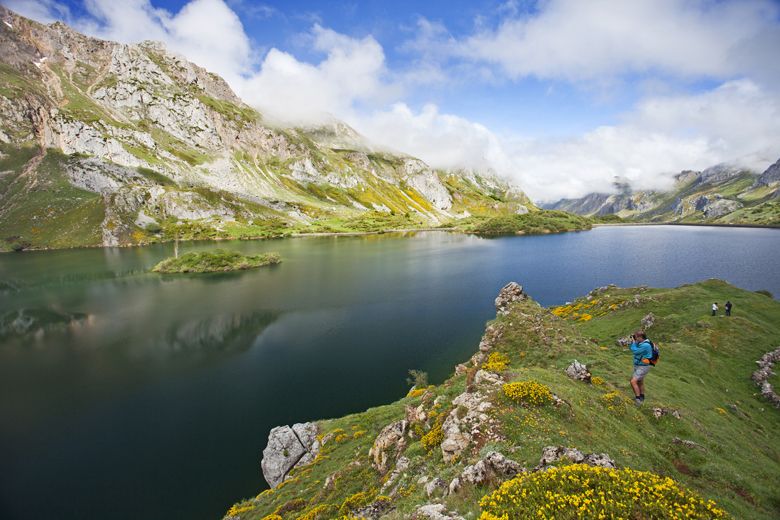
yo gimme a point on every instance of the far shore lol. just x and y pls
(382, 232)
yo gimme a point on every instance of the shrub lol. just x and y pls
(596, 380)
(355, 501)
(582, 491)
(238, 509)
(319, 512)
(496, 362)
(528, 393)
(417, 378)
(765, 293)
(431, 440)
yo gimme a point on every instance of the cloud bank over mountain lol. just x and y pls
(705, 73)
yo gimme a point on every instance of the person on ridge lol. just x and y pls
(643, 352)
(728, 308)
(715, 309)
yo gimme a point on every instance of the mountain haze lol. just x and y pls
(722, 194)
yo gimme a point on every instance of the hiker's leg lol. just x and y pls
(641, 385)
(635, 385)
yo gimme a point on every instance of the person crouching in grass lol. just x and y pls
(643, 351)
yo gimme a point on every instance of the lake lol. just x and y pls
(126, 394)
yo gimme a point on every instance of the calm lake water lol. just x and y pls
(125, 394)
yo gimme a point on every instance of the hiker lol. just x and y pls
(643, 351)
(715, 309)
(728, 308)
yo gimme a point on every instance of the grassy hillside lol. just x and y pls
(533, 223)
(704, 375)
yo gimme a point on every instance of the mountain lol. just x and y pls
(723, 194)
(541, 422)
(103, 143)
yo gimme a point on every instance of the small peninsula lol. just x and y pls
(217, 261)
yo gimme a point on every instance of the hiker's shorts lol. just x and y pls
(641, 371)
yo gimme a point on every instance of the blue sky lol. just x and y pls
(562, 96)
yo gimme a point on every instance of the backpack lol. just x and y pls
(656, 353)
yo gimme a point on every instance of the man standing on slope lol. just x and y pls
(643, 352)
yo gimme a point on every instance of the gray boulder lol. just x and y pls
(509, 294)
(287, 448)
(388, 445)
(492, 467)
(578, 371)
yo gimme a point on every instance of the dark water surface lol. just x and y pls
(125, 394)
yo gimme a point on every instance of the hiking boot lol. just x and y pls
(639, 401)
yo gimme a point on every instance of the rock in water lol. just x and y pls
(287, 448)
(509, 294)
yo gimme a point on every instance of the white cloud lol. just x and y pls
(576, 40)
(45, 11)
(352, 72)
(660, 136)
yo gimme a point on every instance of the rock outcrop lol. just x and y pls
(468, 419)
(493, 467)
(578, 371)
(509, 294)
(388, 446)
(552, 454)
(287, 448)
(761, 376)
(435, 512)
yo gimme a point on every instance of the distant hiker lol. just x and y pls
(715, 309)
(728, 308)
(642, 349)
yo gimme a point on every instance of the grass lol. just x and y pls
(704, 372)
(537, 222)
(42, 209)
(215, 261)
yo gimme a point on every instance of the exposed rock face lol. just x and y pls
(142, 106)
(435, 512)
(578, 372)
(388, 445)
(761, 376)
(468, 419)
(288, 447)
(436, 487)
(483, 377)
(494, 467)
(509, 294)
(552, 454)
(648, 321)
(770, 176)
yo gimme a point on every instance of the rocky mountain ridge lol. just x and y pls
(155, 141)
(724, 194)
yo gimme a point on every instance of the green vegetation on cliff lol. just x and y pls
(704, 425)
(215, 261)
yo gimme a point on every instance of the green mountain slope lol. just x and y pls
(704, 424)
(164, 148)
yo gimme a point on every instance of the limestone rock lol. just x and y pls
(463, 423)
(483, 377)
(761, 376)
(578, 372)
(401, 465)
(509, 294)
(287, 448)
(493, 467)
(648, 321)
(435, 512)
(454, 486)
(390, 442)
(436, 487)
(552, 454)
(659, 412)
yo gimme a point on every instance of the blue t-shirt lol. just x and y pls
(641, 351)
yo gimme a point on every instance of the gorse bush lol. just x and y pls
(528, 393)
(582, 491)
(496, 362)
